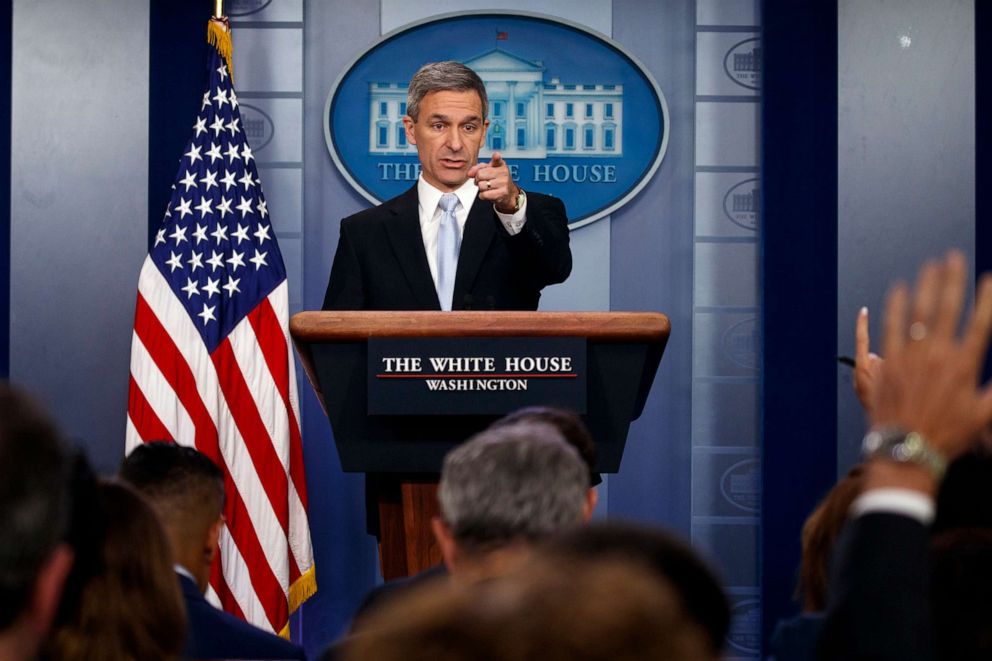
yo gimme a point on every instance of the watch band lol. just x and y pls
(904, 447)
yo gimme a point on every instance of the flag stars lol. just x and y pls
(194, 154)
(160, 237)
(220, 233)
(179, 234)
(204, 207)
(191, 289)
(259, 259)
(210, 179)
(224, 207)
(222, 70)
(263, 209)
(175, 261)
(246, 180)
(228, 179)
(200, 233)
(218, 125)
(221, 97)
(262, 233)
(206, 100)
(183, 207)
(232, 152)
(241, 233)
(235, 260)
(246, 153)
(216, 261)
(195, 261)
(200, 126)
(207, 314)
(245, 206)
(232, 97)
(214, 152)
(232, 285)
(212, 288)
(233, 127)
(189, 181)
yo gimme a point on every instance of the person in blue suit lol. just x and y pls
(187, 491)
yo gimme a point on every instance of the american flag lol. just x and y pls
(211, 365)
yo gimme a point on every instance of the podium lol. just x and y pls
(404, 452)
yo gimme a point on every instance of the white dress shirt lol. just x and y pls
(430, 211)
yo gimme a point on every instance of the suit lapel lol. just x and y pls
(408, 245)
(479, 231)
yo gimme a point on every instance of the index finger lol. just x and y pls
(861, 338)
(496, 160)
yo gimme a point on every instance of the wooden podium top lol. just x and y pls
(646, 327)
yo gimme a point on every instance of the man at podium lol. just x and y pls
(465, 237)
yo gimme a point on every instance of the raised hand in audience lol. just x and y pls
(866, 363)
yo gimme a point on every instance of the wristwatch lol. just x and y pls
(521, 198)
(904, 447)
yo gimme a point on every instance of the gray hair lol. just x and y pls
(521, 481)
(437, 76)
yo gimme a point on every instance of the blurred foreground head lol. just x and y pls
(34, 561)
(668, 558)
(547, 610)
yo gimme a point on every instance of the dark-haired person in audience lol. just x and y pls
(187, 491)
(132, 607)
(702, 599)
(34, 561)
(926, 409)
(561, 609)
(505, 488)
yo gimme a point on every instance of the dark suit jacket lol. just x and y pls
(214, 634)
(381, 264)
(879, 592)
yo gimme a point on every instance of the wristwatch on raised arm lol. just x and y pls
(905, 447)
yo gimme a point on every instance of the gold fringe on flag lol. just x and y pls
(302, 589)
(219, 36)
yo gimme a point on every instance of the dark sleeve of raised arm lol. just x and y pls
(542, 247)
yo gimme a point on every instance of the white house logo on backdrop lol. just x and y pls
(745, 626)
(741, 485)
(740, 343)
(742, 63)
(259, 127)
(742, 204)
(246, 7)
(574, 115)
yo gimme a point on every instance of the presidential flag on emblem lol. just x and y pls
(211, 364)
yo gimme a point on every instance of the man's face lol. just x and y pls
(448, 133)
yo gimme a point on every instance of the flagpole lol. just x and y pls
(218, 8)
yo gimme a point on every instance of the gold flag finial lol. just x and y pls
(218, 8)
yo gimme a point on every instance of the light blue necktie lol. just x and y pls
(449, 241)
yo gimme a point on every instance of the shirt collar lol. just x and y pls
(184, 572)
(429, 196)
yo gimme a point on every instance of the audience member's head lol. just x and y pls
(549, 610)
(132, 609)
(819, 536)
(505, 488)
(698, 590)
(961, 593)
(187, 491)
(34, 559)
(567, 423)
